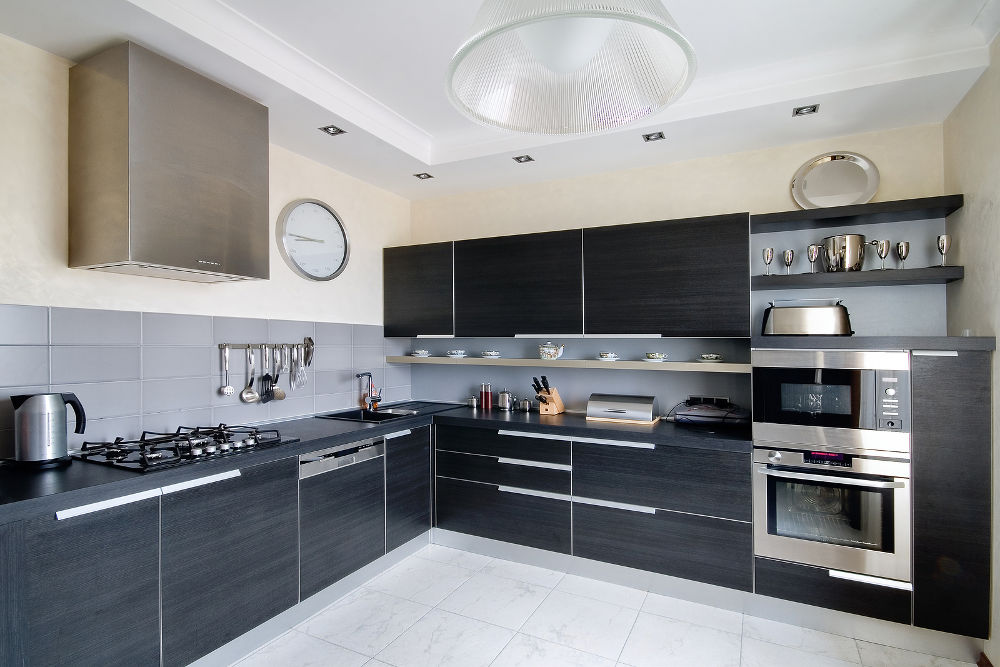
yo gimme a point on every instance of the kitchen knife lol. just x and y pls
(545, 383)
(536, 385)
(541, 399)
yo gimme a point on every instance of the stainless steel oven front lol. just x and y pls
(845, 511)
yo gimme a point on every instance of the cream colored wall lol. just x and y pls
(972, 166)
(909, 160)
(33, 221)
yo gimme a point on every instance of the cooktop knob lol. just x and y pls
(890, 392)
(773, 456)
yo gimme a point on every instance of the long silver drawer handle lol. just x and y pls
(567, 438)
(105, 504)
(398, 434)
(532, 492)
(534, 464)
(201, 481)
(831, 479)
(868, 579)
(612, 504)
(934, 353)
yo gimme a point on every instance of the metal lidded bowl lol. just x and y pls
(839, 178)
(844, 252)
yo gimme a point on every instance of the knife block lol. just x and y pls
(554, 406)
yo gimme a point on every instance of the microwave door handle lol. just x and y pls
(831, 479)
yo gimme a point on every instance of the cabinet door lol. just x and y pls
(11, 577)
(714, 551)
(699, 481)
(676, 278)
(229, 557)
(91, 587)
(951, 492)
(417, 289)
(487, 511)
(407, 487)
(524, 284)
(341, 522)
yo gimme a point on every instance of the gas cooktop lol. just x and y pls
(159, 451)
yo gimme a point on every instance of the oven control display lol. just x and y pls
(828, 459)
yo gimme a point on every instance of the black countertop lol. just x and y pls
(875, 342)
(27, 494)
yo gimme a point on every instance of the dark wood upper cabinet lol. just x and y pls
(687, 277)
(418, 290)
(951, 492)
(524, 284)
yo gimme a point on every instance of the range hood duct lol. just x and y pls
(168, 171)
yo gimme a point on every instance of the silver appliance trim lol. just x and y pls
(866, 579)
(327, 460)
(795, 436)
(864, 463)
(889, 360)
(831, 479)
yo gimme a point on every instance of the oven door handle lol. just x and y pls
(831, 479)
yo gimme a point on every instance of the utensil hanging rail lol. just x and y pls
(306, 344)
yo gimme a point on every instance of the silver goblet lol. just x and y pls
(944, 243)
(768, 256)
(812, 254)
(902, 251)
(883, 250)
(788, 256)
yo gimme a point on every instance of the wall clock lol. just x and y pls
(312, 239)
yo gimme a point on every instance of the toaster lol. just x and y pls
(807, 320)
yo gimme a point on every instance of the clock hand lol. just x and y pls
(306, 238)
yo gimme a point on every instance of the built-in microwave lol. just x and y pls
(843, 399)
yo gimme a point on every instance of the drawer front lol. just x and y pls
(697, 481)
(815, 586)
(502, 471)
(486, 511)
(714, 551)
(491, 443)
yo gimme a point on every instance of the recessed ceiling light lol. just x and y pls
(521, 159)
(653, 136)
(423, 176)
(332, 130)
(806, 110)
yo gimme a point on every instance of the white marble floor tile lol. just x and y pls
(582, 623)
(623, 596)
(804, 639)
(658, 641)
(877, 655)
(757, 653)
(529, 573)
(442, 554)
(365, 621)
(302, 650)
(442, 638)
(504, 602)
(421, 580)
(376, 663)
(527, 651)
(692, 612)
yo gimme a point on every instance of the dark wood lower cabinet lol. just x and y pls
(229, 558)
(951, 486)
(341, 523)
(714, 551)
(486, 511)
(493, 470)
(11, 577)
(91, 588)
(815, 586)
(407, 487)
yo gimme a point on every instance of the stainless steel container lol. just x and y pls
(622, 407)
(505, 401)
(524, 405)
(807, 320)
(844, 252)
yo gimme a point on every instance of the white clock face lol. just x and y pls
(313, 240)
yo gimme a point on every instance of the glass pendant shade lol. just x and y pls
(569, 66)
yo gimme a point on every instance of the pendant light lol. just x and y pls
(569, 66)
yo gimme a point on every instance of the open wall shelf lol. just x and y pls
(931, 275)
(857, 214)
(682, 366)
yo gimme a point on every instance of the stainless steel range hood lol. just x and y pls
(168, 171)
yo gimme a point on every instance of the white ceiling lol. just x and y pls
(377, 68)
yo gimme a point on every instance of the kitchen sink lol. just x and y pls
(364, 415)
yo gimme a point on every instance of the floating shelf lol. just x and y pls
(857, 214)
(931, 275)
(683, 366)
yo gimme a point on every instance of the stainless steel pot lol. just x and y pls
(505, 401)
(844, 252)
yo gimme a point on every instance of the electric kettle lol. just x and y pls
(40, 428)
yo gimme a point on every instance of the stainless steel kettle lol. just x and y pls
(40, 427)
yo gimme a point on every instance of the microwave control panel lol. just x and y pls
(892, 400)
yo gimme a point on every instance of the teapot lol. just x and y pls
(550, 351)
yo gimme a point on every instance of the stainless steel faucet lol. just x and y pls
(370, 398)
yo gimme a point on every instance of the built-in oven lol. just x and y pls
(846, 399)
(845, 511)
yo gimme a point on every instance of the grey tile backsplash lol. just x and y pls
(156, 371)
